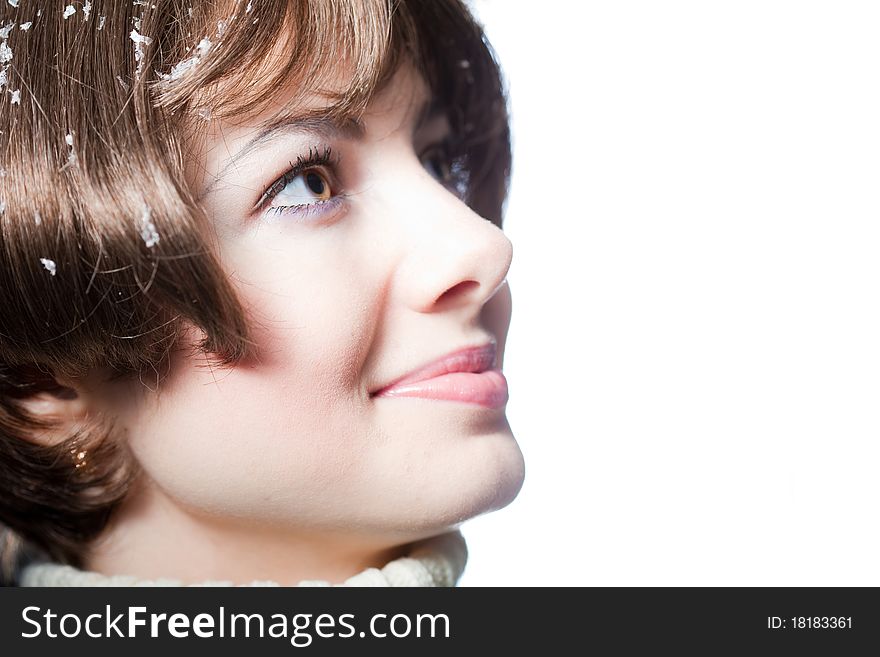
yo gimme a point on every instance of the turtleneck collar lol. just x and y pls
(436, 561)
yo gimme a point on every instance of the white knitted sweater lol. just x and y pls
(437, 561)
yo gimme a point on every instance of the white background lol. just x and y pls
(694, 358)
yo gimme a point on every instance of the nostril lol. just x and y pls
(456, 292)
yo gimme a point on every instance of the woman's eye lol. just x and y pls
(437, 162)
(305, 188)
(449, 170)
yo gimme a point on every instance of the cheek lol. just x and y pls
(246, 443)
(315, 300)
(275, 436)
(314, 331)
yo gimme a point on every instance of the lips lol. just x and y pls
(465, 375)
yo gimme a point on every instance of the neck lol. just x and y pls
(155, 538)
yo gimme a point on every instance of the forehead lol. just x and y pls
(404, 91)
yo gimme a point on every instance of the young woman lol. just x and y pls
(252, 280)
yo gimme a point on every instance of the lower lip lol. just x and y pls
(487, 388)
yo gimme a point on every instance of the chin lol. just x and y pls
(502, 488)
(477, 491)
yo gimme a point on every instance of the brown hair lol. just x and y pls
(106, 257)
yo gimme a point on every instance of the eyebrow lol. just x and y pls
(324, 127)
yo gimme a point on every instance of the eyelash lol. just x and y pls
(316, 158)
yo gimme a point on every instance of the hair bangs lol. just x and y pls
(234, 64)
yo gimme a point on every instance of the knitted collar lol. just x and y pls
(437, 561)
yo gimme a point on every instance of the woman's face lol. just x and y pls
(358, 271)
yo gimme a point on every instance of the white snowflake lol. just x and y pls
(140, 38)
(87, 9)
(203, 47)
(49, 265)
(101, 23)
(16, 97)
(69, 11)
(25, 26)
(148, 229)
(139, 42)
(181, 68)
(5, 53)
(72, 159)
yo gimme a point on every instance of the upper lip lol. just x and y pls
(468, 359)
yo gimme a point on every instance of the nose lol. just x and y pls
(458, 259)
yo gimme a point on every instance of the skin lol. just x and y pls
(285, 468)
